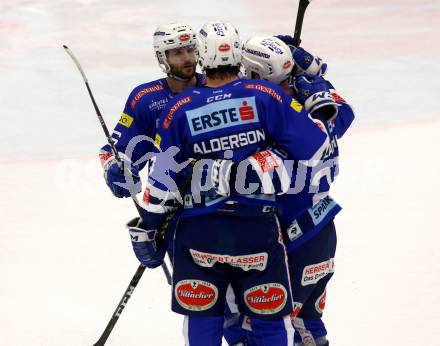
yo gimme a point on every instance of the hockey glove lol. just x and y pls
(268, 172)
(314, 93)
(262, 172)
(213, 178)
(304, 60)
(220, 176)
(307, 62)
(148, 250)
(122, 178)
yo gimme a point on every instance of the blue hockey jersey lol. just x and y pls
(306, 207)
(304, 213)
(140, 118)
(239, 118)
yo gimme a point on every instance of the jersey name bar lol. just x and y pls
(238, 140)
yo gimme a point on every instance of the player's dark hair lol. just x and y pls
(222, 72)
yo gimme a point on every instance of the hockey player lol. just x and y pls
(222, 241)
(306, 214)
(176, 52)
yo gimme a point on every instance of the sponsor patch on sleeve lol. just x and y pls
(169, 117)
(144, 92)
(157, 141)
(126, 120)
(266, 90)
(297, 107)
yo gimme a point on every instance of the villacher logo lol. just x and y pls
(320, 302)
(195, 295)
(266, 299)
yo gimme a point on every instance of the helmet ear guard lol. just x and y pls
(163, 63)
(254, 68)
(268, 57)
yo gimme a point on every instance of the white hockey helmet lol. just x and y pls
(219, 45)
(267, 56)
(171, 36)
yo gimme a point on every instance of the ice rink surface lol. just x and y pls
(65, 257)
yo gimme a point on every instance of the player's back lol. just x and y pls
(233, 121)
(241, 117)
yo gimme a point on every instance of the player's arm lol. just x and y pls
(292, 129)
(299, 141)
(148, 244)
(165, 176)
(265, 170)
(123, 179)
(345, 113)
(305, 61)
(167, 171)
(325, 103)
(314, 92)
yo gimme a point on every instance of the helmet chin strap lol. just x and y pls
(172, 75)
(167, 69)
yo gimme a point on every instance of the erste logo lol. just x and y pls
(246, 111)
(222, 114)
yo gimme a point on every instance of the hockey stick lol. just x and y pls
(109, 139)
(137, 276)
(127, 294)
(161, 232)
(98, 113)
(302, 6)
